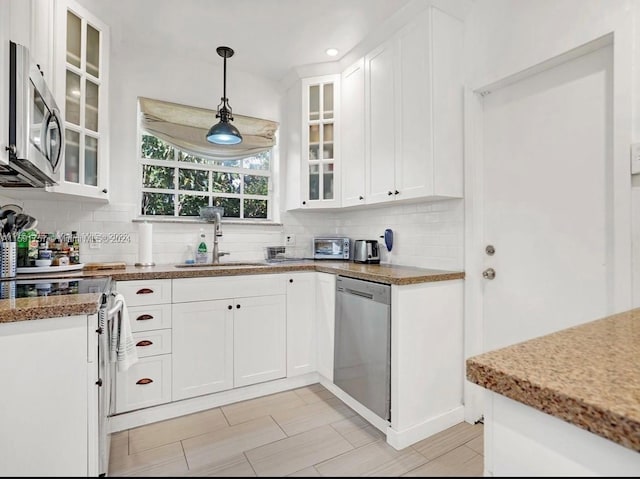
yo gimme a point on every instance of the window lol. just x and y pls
(177, 183)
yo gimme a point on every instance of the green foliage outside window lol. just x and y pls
(210, 181)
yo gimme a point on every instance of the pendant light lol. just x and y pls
(223, 132)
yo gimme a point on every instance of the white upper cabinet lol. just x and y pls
(352, 138)
(413, 113)
(81, 60)
(320, 155)
(381, 121)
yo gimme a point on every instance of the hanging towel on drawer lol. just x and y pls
(123, 348)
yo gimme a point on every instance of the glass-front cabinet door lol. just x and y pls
(82, 44)
(320, 158)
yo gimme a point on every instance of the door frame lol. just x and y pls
(621, 41)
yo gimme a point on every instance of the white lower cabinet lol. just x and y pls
(227, 332)
(202, 348)
(325, 322)
(259, 339)
(49, 401)
(301, 323)
(147, 382)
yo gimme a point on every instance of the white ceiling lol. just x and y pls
(269, 37)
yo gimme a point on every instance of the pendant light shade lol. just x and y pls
(223, 132)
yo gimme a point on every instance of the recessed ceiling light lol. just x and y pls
(332, 52)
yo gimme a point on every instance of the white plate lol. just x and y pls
(49, 269)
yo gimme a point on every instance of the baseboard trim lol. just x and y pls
(407, 437)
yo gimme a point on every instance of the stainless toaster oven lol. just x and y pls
(331, 247)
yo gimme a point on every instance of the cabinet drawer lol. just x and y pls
(147, 318)
(141, 292)
(146, 383)
(152, 343)
(223, 287)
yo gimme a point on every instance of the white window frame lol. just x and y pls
(209, 193)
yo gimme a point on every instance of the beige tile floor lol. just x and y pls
(302, 432)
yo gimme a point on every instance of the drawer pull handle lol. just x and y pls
(144, 291)
(144, 381)
(144, 342)
(144, 317)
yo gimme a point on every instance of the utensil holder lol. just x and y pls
(8, 259)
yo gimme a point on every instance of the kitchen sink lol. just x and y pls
(227, 264)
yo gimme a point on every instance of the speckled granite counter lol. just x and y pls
(43, 307)
(588, 375)
(23, 309)
(382, 273)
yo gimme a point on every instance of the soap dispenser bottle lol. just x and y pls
(201, 254)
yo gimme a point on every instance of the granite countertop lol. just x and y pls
(588, 375)
(42, 307)
(382, 273)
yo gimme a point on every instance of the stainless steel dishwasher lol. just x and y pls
(362, 344)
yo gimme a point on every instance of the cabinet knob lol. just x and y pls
(99, 382)
(104, 190)
(304, 202)
(238, 306)
(389, 193)
(396, 192)
(229, 307)
(361, 198)
(291, 280)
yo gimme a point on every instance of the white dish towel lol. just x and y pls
(123, 347)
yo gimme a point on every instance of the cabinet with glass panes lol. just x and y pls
(320, 167)
(81, 84)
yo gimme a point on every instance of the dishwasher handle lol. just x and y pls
(378, 292)
(362, 294)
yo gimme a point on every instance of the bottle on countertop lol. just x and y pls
(74, 257)
(201, 251)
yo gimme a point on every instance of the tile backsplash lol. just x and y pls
(426, 234)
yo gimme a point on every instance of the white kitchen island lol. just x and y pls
(564, 404)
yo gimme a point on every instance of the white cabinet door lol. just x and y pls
(447, 34)
(301, 322)
(352, 144)
(320, 145)
(41, 50)
(414, 164)
(81, 86)
(325, 322)
(259, 339)
(380, 118)
(44, 408)
(202, 345)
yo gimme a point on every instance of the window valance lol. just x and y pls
(185, 127)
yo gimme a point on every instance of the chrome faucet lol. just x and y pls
(217, 232)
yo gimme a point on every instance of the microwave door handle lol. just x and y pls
(55, 116)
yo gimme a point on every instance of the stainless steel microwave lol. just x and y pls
(335, 247)
(36, 127)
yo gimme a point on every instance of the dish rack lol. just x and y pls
(275, 252)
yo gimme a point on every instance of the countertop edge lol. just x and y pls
(577, 411)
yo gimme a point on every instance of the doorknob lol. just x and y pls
(489, 273)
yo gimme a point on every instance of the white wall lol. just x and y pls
(505, 37)
(139, 72)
